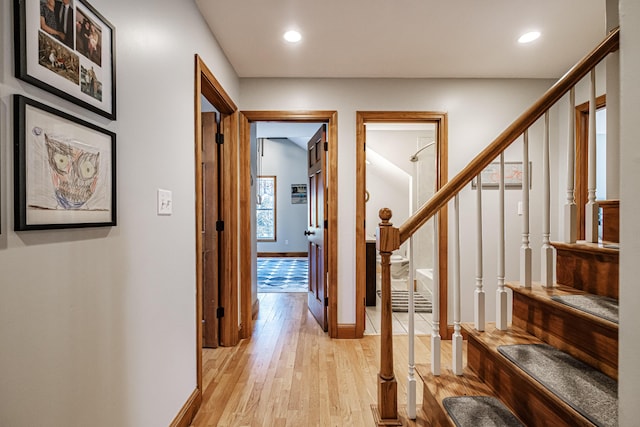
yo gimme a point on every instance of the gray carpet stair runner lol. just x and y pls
(588, 391)
(479, 411)
(400, 301)
(603, 307)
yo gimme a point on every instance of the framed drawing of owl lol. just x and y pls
(64, 170)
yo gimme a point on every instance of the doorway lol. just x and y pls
(248, 289)
(216, 242)
(432, 144)
(279, 156)
(582, 158)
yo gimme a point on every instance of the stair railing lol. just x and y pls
(389, 238)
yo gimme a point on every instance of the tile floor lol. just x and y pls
(422, 321)
(282, 274)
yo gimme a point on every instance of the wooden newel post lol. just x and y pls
(388, 240)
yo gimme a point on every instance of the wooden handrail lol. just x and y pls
(509, 135)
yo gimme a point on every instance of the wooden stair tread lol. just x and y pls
(492, 337)
(585, 336)
(544, 294)
(437, 388)
(525, 396)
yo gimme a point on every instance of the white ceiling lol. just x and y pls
(405, 38)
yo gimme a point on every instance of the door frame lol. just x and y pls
(582, 160)
(206, 85)
(331, 244)
(440, 120)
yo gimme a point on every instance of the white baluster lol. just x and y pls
(456, 339)
(547, 250)
(525, 249)
(479, 312)
(411, 379)
(501, 292)
(570, 209)
(435, 303)
(592, 208)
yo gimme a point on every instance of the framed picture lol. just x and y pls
(64, 170)
(298, 194)
(512, 175)
(67, 48)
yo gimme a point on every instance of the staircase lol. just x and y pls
(556, 362)
(539, 319)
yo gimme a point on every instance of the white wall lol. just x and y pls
(98, 325)
(478, 110)
(288, 163)
(629, 373)
(392, 179)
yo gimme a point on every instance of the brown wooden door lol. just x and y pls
(210, 242)
(316, 230)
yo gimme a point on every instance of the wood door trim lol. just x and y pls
(207, 85)
(331, 245)
(582, 159)
(440, 119)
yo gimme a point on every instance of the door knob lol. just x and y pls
(309, 233)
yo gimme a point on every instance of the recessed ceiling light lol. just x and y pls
(529, 37)
(292, 36)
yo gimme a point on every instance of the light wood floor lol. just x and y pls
(291, 374)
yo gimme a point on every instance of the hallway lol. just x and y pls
(291, 374)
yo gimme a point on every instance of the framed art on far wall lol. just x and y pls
(64, 170)
(67, 48)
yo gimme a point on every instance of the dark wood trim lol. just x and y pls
(188, 411)
(303, 116)
(207, 85)
(346, 331)
(441, 122)
(229, 290)
(582, 159)
(246, 304)
(283, 254)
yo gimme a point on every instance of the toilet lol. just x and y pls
(399, 266)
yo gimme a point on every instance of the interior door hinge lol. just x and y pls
(220, 312)
(326, 146)
(326, 301)
(326, 224)
(219, 138)
(219, 225)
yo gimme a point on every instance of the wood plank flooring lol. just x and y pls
(289, 373)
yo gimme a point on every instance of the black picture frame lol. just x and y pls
(79, 67)
(64, 170)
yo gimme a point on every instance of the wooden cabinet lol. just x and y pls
(370, 298)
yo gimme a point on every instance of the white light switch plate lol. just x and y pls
(165, 204)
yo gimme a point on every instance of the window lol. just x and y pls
(266, 209)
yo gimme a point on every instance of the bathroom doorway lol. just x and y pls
(401, 165)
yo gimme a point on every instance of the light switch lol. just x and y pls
(165, 204)
(520, 208)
